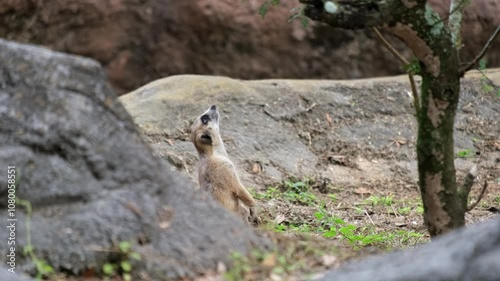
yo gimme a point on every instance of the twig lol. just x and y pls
(482, 53)
(479, 198)
(403, 60)
(416, 101)
(389, 46)
(369, 216)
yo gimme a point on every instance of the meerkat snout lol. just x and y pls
(216, 172)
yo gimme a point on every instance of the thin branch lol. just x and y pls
(389, 46)
(416, 101)
(482, 53)
(479, 198)
(391, 49)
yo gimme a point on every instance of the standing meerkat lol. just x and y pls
(216, 173)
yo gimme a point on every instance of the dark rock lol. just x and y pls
(140, 41)
(8, 276)
(92, 181)
(468, 254)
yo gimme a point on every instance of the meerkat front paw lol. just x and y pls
(253, 218)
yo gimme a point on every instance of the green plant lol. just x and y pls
(43, 269)
(298, 192)
(241, 266)
(123, 266)
(497, 199)
(333, 197)
(271, 192)
(266, 5)
(380, 200)
(332, 227)
(465, 153)
(404, 210)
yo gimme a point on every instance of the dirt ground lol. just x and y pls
(332, 164)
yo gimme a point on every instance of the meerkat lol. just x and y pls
(216, 172)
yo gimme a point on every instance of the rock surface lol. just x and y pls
(7, 276)
(469, 254)
(93, 182)
(140, 41)
(349, 132)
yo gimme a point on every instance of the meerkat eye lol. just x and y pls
(204, 119)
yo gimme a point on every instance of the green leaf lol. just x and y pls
(263, 9)
(319, 215)
(27, 249)
(482, 64)
(127, 277)
(466, 153)
(275, 2)
(108, 269)
(126, 266)
(331, 233)
(135, 256)
(304, 21)
(124, 246)
(43, 267)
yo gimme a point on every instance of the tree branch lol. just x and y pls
(482, 53)
(403, 60)
(357, 14)
(412, 21)
(479, 198)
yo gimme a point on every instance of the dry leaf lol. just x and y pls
(275, 277)
(221, 267)
(269, 261)
(279, 218)
(362, 191)
(328, 260)
(328, 119)
(497, 145)
(256, 168)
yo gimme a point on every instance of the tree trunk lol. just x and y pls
(444, 208)
(432, 43)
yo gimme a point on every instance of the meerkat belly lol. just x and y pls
(214, 181)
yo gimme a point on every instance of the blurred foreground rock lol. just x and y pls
(469, 254)
(93, 182)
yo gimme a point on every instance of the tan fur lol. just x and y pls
(216, 173)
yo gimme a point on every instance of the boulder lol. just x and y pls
(350, 132)
(8, 276)
(91, 180)
(140, 41)
(468, 254)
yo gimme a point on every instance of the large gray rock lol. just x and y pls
(276, 128)
(92, 181)
(8, 276)
(469, 254)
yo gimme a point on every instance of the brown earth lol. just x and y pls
(139, 41)
(315, 149)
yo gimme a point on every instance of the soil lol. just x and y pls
(342, 148)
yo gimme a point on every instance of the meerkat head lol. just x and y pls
(205, 132)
